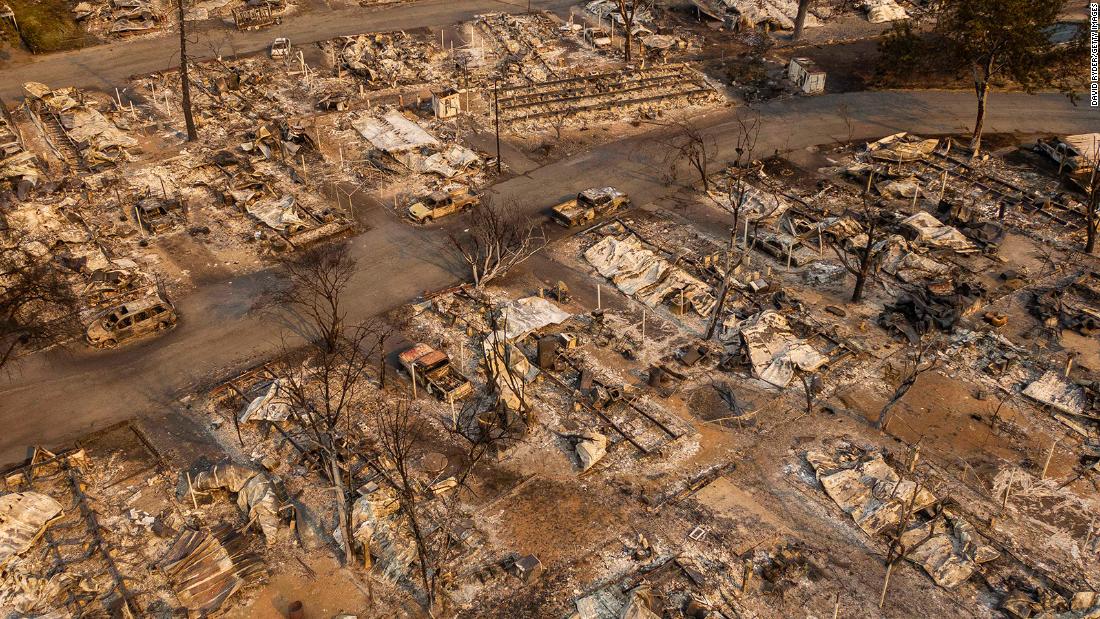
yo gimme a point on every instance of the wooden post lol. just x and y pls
(382, 361)
(1046, 464)
(943, 187)
(913, 457)
(412, 372)
(885, 583)
(191, 491)
(746, 577)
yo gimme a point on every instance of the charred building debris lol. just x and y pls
(652, 399)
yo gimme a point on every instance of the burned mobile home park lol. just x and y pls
(618, 309)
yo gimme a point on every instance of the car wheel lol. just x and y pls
(110, 343)
(162, 325)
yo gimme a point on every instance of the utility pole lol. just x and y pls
(185, 83)
(496, 116)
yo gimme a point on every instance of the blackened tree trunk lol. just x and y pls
(800, 19)
(866, 260)
(185, 83)
(1093, 207)
(626, 40)
(981, 90)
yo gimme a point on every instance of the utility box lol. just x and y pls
(806, 75)
(446, 104)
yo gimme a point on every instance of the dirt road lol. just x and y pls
(108, 66)
(55, 397)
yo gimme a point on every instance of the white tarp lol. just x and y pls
(522, 316)
(277, 214)
(267, 407)
(882, 11)
(626, 262)
(908, 266)
(23, 516)
(591, 447)
(901, 147)
(755, 204)
(778, 12)
(877, 498)
(774, 350)
(393, 133)
(640, 272)
(1058, 393)
(934, 233)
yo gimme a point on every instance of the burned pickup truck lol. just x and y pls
(442, 203)
(588, 205)
(432, 369)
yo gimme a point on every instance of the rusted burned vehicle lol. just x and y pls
(129, 321)
(588, 205)
(442, 203)
(432, 369)
(156, 214)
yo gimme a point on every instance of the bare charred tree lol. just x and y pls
(324, 390)
(499, 237)
(845, 114)
(502, 369)
(628, 11)
(800, 19)
(37, 305)
(863, 261)
(924, 361)
(557, 121)
(689, 144)
(315, 281)
(396, 429)
(737, 189)
(322, 394)
(185, 83)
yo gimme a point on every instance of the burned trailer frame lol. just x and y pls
(601, 91)
(255, 18)
(433, 369)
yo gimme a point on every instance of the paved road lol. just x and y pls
(55, 397)
(107, 66)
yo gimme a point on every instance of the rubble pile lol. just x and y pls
(78, 132)
(388, 59)
(78, 529)
(122, 18)
(527, 44)
(18, 167)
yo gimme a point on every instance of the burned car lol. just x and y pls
(588, 205)
(442, 203)
(129, 321)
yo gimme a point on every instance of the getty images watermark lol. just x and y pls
(1094, 54)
